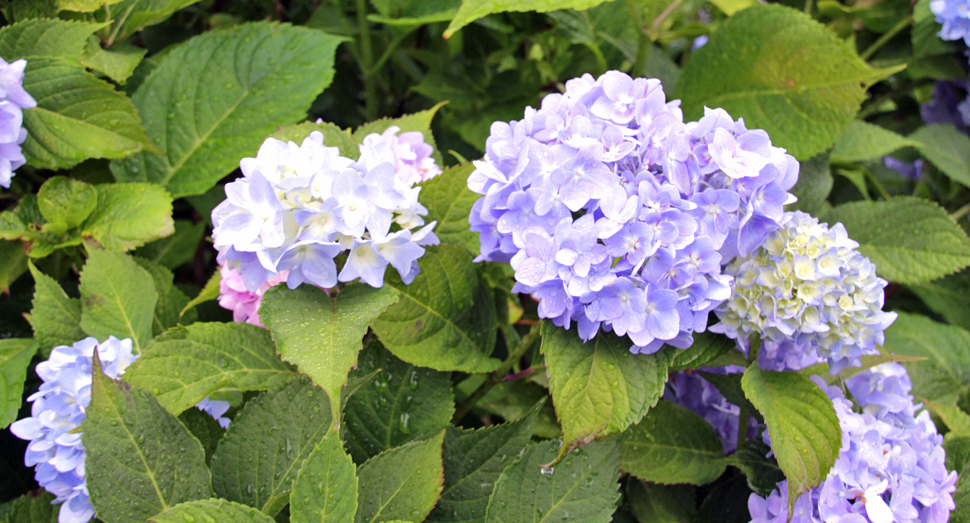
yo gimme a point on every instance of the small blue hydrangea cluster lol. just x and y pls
(955, 17)
(690, 390)
(890, 467)
(616, 214)
(297, 207)
(58, 408)
(809, 294)
(13, 100)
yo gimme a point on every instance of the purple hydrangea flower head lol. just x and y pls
(13, 100)
(950, 104)
(616, 214)
(955, 17)
(890, 466)
(297, 208)
(809, 295)
(690, 390)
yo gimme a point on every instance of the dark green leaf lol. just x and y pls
(33, 508)
(142, 13)
(13, 263)
(117, 298)
(947, 347)
(55, 317)
(170, 300)
(449, 201)
(662, 503)
(211, 510)
(472, 10)
(176, 250)
(325, 490)
(947, 148)
(762, 472)
(209, 292)
(205, 429)
(402, 482)
(707, 347)
(949, 296)
(15, 355)
(958, 459)
(45, 38)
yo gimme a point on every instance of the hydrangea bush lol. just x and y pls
(599, 261)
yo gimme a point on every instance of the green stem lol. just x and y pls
(809, 5)
(663, 16)
(887, 36)
(366, 61)
(961, 212)
(496, 377)
(879, 188)
(743, 426)
(387, 53)
(754, 346)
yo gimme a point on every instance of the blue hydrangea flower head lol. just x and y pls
(13, 100)
(297, 208)
(955, 17)
(810, 296)
(617, 215)
(890, 467)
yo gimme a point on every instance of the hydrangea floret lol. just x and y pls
(809, 295)
(297, 208)
(955, 17)
(615, 214)
(13, 100)
(690, 390)
(890, 466)
(243, 303)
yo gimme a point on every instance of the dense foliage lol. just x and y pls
(490, 261)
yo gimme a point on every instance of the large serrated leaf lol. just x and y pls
(706, 348)
(598, 387)
(15, 355)
(140, 459)
(129, 215)
(31, 508)
(910, 240)
(402, 403)
(472, 10)
(672, 444)
(77, 117)
(255, 463)
(865, 141)
(45, 38)
(474, 460)
(215, 98)
(805, 433)
(117, 63)
(947, 148)
(55, 317)
(117, 298)
(141, 13)
(581, 488)
(325, 490)
(186, 364)
(449, 201)
(402, 483)
(445, 318)
(321, 334)
(211, 510)
(946, 347)
(170, 299)
(762, 65)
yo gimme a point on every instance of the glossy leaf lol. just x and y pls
(449, 201)
(325, 490)
(400, 483)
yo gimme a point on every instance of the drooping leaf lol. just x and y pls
(864, 141)
(256, 464)
(958, 459)
(672, 444)
(170, 299)
(219, 510)
(321, 334)
(333, 136)
(662, 503)
(946, 347)
(947, 148)
(215, 98)
(129, 215)
(581, 488)
(325, 490)
(140, 459)
(598, 387)
(66, 202)
(762, 65)
(176, 250)
(449, 200)
(15, 355)
(474, 460)
(77, 117)
(117, 298)
(45, 38)
(910, 240)
(31, 508)
(402, 403)
(445, 318)
(804, 428)
(402, 482)
(472, 10)
(55, 317)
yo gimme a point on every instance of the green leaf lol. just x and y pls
(867, 362)
(13, 263)
(117, 298)
(706, 348)
(66, 202)
(958, 459)
(472, 10)
(333, 136)
(129, 215)
(45, 38)
(55, 317)
(15, 355)
(445, 318)
(84, 6)
(77, 117)
(415, 12)
(581, 488)
(761, 471)
(598, 387)
(140, 459)
(729, 385)
(814, 185)
(186, 364)
(209, 292)
(865, 141)
(762, 65)
(400, 483)
(142, 13)
(671, 444)
(955, 419)
(449, 202)
(947, 347)
(176, 250)
(211, 510)
(662, 503)
(325, 490)
(474, 460)
(170, 299)
(321, 334)
(117, 63)
(215, 98)
(804, 428)
(31, 508)
(205, 429)
(255, 463)
(403, 403)
(910, 240)
(419, 122)
(948, 296)
(947, 148)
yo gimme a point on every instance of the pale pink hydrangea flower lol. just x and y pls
(234, 296)
(407, 151)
